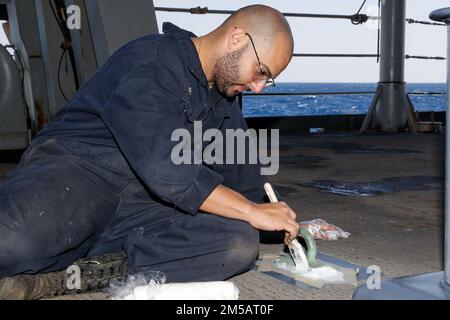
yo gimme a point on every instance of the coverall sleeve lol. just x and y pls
(142, 114)
(243, 178)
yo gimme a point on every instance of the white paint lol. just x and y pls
(325, 273)
(299, 257)
(215, 290)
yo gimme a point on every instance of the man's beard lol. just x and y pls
(226, 71)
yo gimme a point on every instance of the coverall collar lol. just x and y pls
(184, 37)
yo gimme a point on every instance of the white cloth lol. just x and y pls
(215, 290)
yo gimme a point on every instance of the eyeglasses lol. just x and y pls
(265, 76)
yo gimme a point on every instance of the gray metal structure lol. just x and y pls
(36, 37)
(51, 39)
(82, 43)
(390, 110)
(28, 50)
(432, 285)
(115, 22)
(13, 132)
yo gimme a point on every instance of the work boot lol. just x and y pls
(95, 275)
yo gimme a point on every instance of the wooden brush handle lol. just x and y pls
(270, 193)
(304, 233)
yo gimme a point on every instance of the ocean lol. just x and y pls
(314, 104)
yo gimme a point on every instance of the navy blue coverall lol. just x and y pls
(99, 178)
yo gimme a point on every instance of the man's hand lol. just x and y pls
(275, 217)
(228, 203)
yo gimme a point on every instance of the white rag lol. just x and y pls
(215, 290)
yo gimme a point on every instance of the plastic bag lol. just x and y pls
(322, 230)
(152, 286)
(129, 289)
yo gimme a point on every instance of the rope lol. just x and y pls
(364, 2)
(356, 18)
(332, 93)
(58, 21)
(424, 57)
(339, 55)
(359, 18)
(427, 93)
(360, 55)
(63, 55)
(66, 45)
(425, 22)
(205, 10)
(307, 93)
(378, 32)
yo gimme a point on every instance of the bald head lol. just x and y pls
(247, 51)
(265, 24)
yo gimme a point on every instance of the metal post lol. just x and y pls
(86, 63)
(447, 168)
(13, 127)
(443, 15)
(393, 111)
(392, 41)
(390, 115)
(51, 39)
(430, 285)
(24, 24)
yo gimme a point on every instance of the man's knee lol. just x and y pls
(20, 253)
(16, 251)
(243, 248)
(23, 249)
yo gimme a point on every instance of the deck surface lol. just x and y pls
(398, 228)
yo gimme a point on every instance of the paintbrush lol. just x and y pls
(295, 248)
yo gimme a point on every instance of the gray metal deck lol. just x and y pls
(400, 229)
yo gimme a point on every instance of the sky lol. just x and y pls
(331, 36)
